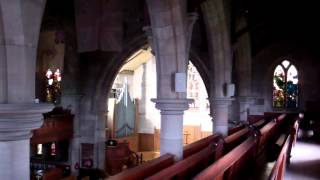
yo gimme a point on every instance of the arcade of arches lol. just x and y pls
(77, 77)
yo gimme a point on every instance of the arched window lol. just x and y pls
(285, 85)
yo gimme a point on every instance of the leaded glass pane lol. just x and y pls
(279, 87)
(285, 64)
(292, 87)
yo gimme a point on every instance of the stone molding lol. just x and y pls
(224, 101)
(18, 120)
(172, 106)
(246, 99)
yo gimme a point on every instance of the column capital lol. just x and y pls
(17, 120)
(172, 106)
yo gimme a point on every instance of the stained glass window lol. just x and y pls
(285, 86)
(53, 86)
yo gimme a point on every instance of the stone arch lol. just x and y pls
(106, 79)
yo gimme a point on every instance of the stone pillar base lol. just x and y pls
(219, 112)
(172, 125)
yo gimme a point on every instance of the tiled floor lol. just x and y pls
(305, 159)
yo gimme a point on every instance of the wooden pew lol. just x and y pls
(202, 143)
(294, 131)
(259, 123)
(192, 148)
(145, 170)
(231, 164)
(234, 163)
(156, 165)
(254, 118)
(192, 165)
(235, 129)
(278, 169)
(271, 131)
(195, 151)
(267, 133)
(293, 137)
(235, 139)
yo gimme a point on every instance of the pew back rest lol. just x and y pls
(269, 116)
(277, 172)
(145, 170)
(254, 118)
(267, 132)
(294, 132)
(235, 129)
(230, 164)
(235, 139)
(192, 165)
(259, 123)
(192, 148)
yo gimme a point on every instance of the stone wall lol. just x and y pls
(263, 68)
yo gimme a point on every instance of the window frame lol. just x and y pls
(291, 63)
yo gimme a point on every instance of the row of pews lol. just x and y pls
(232, 157)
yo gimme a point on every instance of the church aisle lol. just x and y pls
(305, 160)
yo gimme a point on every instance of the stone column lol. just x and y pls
(219, 112)
(16, 123)
(20, 25)
(219, 49)
(243, 67)
(171, 125)
(71, 101)
(145, 125)
(169, 24)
